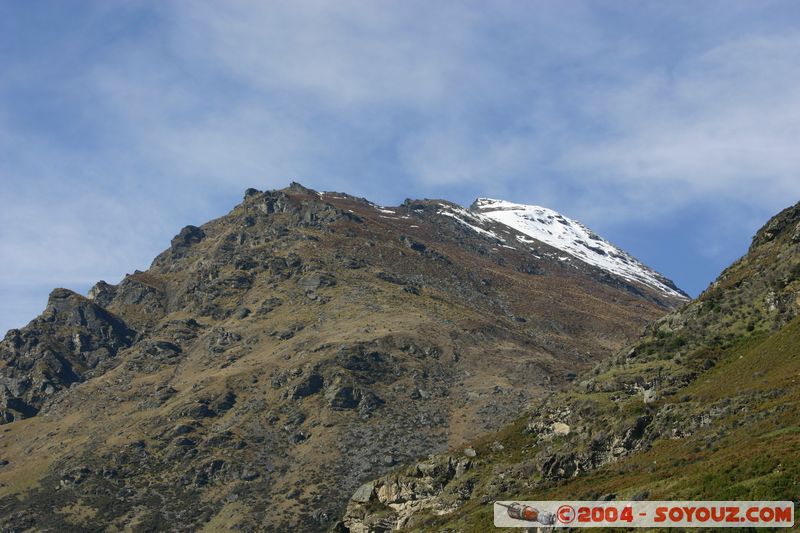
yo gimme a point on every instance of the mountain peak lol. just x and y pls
(574, 238)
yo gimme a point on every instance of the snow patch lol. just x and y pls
(459, 214)
(571, 237)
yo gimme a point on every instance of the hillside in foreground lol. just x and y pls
(705, 405)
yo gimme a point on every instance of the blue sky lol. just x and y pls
(671, 128)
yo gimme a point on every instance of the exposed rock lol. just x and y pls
(196, 411)
(315, 281)
(224, 402)
(72, 339)
(560, 429)
(188, 236)
(649, 395)
(309, 385)
(102, 293)
(289, 332)
(391, 278)
(221, 340)
(365, 493)
(269, 305)
(179, 430)
(404, 494)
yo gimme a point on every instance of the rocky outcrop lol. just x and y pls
(390, 502)
(305, 209)
(72, 340)
(785, 222)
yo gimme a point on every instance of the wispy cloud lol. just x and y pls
(723, 125)
(119, 123)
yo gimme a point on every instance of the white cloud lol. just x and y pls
(564, 104)
(724, 125)
(75, 239)
(337, 53)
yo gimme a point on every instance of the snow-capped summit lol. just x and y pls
(573, 238)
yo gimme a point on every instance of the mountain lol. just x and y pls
(271, 361)
(705, 405)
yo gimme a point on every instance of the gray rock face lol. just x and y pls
(343, 397)
(310, 212)
(348, 397)
(309, 385)
(316, 280)
(187, 236)
(787, 220)
(136, 293)
(180, 245)
(102, 293)
(365, 493)
(66, 344)
(408, 491)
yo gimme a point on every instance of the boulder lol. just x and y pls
(560, 429)
(316, 280)
(365, 493)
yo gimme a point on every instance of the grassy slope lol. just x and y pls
(744, 456)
